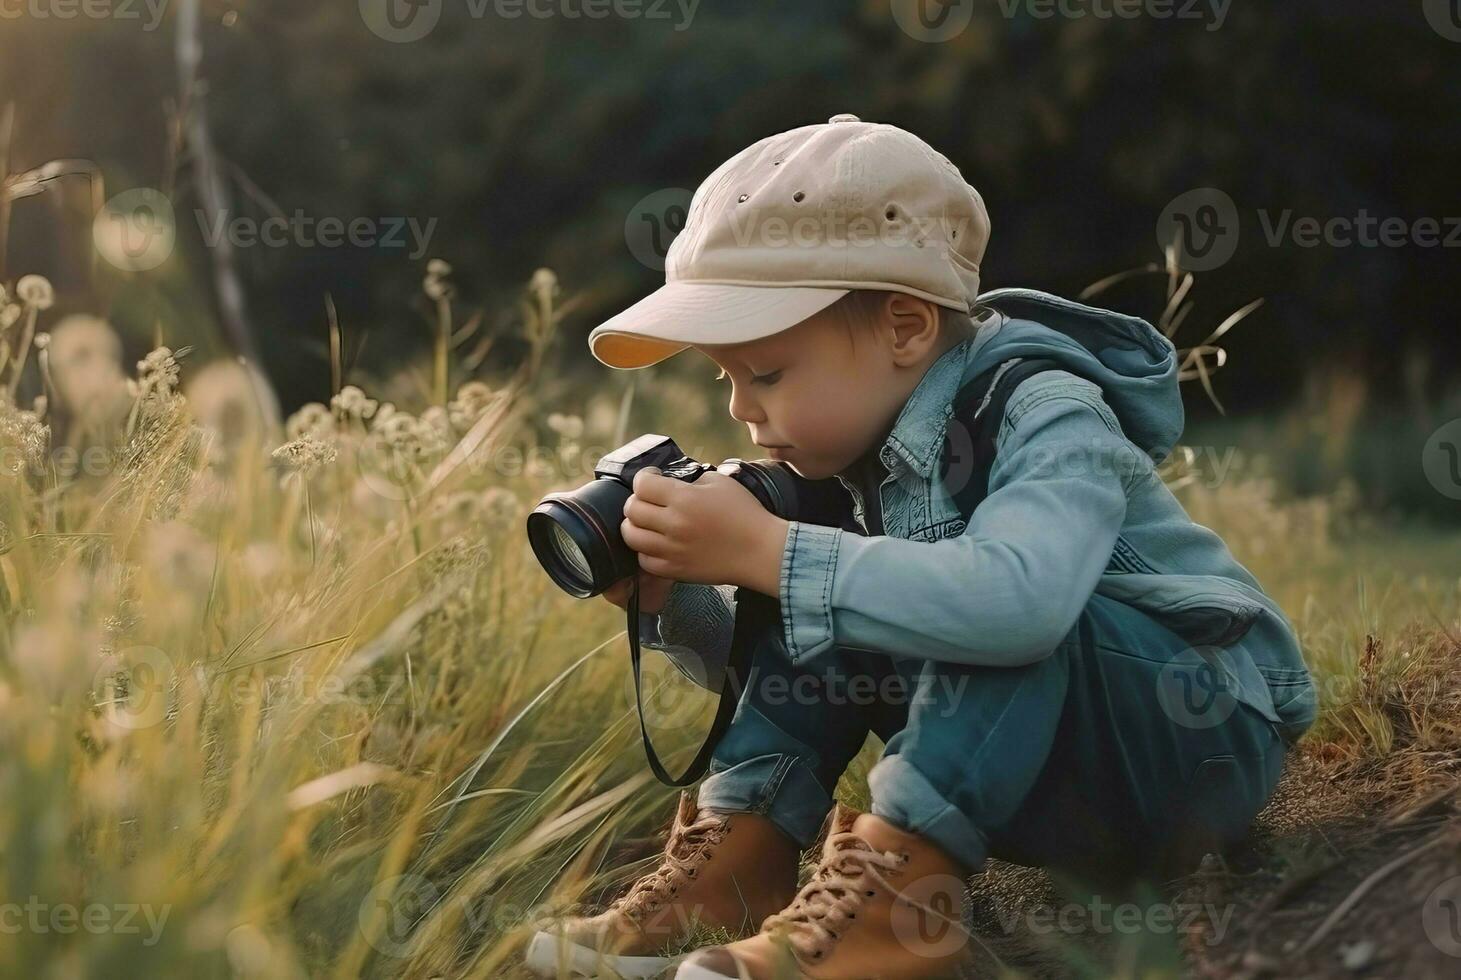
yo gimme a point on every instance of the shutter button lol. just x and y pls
(844, 117)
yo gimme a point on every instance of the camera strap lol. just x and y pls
(978, 409)
(754, 611)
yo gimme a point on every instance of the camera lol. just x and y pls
(575, 533)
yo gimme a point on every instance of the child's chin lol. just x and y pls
(805, 470)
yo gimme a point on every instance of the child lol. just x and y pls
(1074, 675)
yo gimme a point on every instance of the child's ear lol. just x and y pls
(914, 326)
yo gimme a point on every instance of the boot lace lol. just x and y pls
(684, 853)
(847, 876)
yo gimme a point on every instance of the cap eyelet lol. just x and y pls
(797, 197)
(742, 198)
(890, 214)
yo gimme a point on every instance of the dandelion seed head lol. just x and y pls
(500, 505)
(312, 419)
(36, 292)
(306, 453)
(569, 427)
(351, 404)
(86, 362)
(474, 399)
(436, 284)
(24, 431)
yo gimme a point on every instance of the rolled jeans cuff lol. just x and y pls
(904, 797)
(778, 786)
(808, 563)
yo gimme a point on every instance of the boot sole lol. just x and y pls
(547, 953)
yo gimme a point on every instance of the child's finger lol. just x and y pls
(653, 591)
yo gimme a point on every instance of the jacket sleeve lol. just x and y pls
(694, 630)
(1008, 589)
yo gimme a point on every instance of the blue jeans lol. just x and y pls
(1119, 754)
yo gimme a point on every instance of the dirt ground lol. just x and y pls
(1352, 870)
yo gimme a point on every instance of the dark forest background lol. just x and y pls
(530, 140)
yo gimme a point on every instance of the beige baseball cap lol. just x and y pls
(795, 221)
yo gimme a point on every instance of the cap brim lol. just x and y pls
(680, 314)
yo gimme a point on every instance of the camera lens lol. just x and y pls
(567, 552)
(575, 536)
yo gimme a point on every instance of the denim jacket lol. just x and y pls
(1074, 507)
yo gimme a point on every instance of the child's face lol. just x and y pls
(817, 398)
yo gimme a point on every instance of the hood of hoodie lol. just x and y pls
(1134, 364)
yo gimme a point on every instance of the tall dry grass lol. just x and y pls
(301, 703)
(288, 702)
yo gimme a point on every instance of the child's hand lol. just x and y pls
(711, 532)
(653, 592)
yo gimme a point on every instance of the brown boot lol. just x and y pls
(883, 903)
(723, 871)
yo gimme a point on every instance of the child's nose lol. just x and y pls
(744, 408)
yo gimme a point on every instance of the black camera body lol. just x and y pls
(575, 533)
(575, 536)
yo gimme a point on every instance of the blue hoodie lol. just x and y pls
(1075, 506)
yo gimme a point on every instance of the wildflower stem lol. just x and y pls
(309, 516)
(443, 344)
(23, 350)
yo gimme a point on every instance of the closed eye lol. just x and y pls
(765, 379)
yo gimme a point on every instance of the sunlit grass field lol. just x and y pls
(299, 702)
